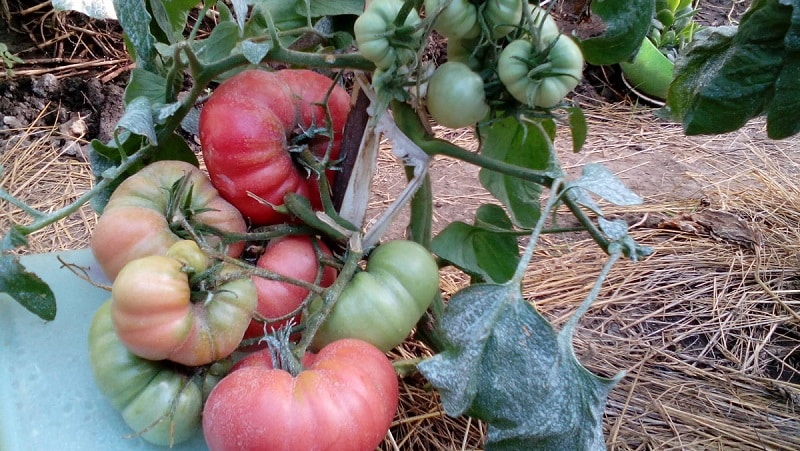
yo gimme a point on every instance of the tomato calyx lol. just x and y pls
(179, 212)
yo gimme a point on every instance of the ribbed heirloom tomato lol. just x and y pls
(158, 315)
(344, 399)
(140, 218)
(383, 304)
(250, 123)
(157, 400)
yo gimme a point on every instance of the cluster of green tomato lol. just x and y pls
(507, 40)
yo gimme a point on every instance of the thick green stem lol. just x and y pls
(421, 221)
(332, 293)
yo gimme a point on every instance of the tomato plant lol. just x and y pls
(381, 40)
(159, 401)
(251, 125)
(267, 132)
(541, 75)
(158, 314)
(143, 216)
(344, 398)
(290, 256)
(382, 304)
(455, 96)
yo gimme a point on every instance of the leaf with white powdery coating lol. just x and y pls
(506, 365)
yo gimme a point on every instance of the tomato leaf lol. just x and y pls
(599, 180)
(135, 20)
(480, 250)
(526, 146)
(255, 51)
(26, 288)
(138, 119)
(627, 23)
(507, 366)
(219, 44)
(170, 17)
(782, 119)
(578, 127)
(729, 75)
(145, 84)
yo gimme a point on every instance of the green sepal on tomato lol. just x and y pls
(159, 315)
(140, 217)
(289, 256)
(159, 401)
(343, 399)
(382, 304)
(254, 120)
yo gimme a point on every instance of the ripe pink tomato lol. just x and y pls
(344, 399)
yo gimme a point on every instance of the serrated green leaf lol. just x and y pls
(599, 180)
(255, 51)
(26, 288)
(138, 119)
(146, 84)
(525, 146)
(627, 23)
(729, 75)
(135, 21)
(171, 17)
(220, 43)
(507, 366)
(480, 250)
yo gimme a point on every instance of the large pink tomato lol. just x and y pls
(253, 120)
(344, 399)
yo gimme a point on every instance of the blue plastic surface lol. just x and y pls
(48, 399)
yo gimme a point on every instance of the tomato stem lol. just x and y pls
(331, 294)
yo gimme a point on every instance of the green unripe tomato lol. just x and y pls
(544, 25)
(502, 16)
(383, 304)
(378, 38)
(458, 20)
(548, 83)
(455, 95)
